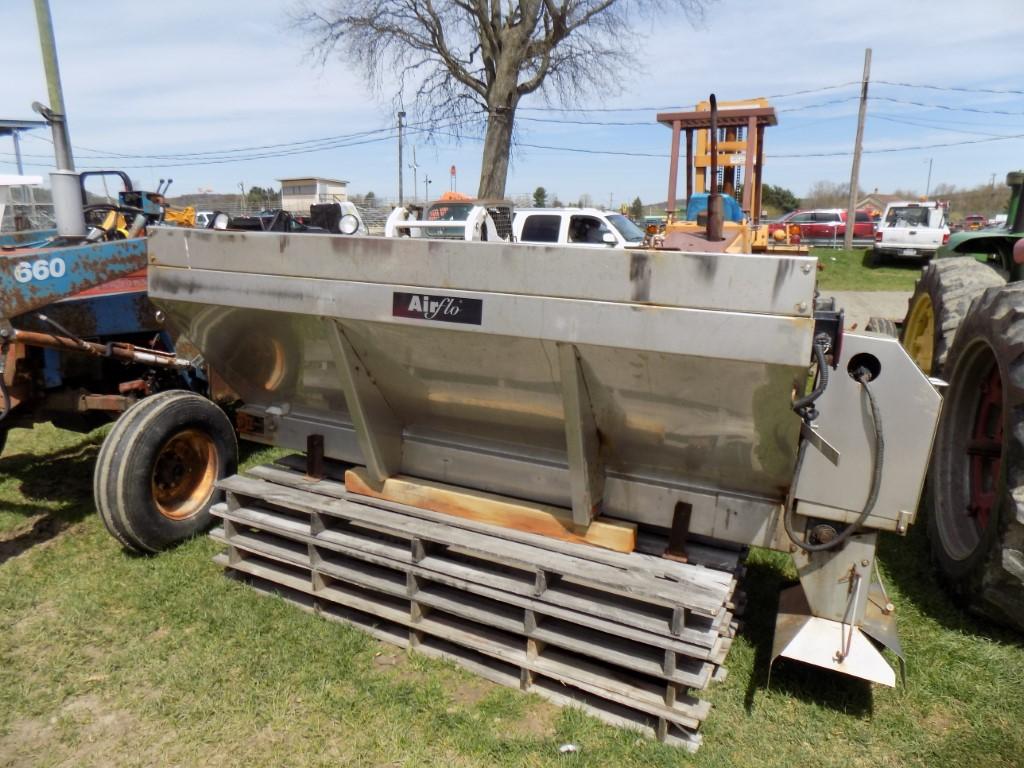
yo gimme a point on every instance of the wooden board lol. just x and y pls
(489, 508)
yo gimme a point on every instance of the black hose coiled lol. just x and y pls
(863, 377)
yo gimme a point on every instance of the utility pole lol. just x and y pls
(851, 208)
(928, 185)
(54, 114)
(401, 197)
(415, 174)
(426, 187)
(17, 152)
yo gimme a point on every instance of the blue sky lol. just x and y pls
(203, 75)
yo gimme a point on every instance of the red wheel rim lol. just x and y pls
(985, 450)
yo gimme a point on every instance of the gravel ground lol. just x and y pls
(862, 305)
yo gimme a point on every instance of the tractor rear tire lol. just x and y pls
(884, 326)
(941, 298)
(3, 440)
(976, 483)
(155, 476)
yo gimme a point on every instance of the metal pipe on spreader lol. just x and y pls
(128, 353)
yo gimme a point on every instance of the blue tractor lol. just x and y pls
(79, 340)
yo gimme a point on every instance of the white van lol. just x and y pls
(916, 229)
(584, 227)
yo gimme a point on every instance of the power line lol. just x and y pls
(299, 148)
(652, 108)
(881, 150)
(903, 149)
(829, 103)
(934, 126)
(597, 109)
(648, 123)
(327, 140)
(813, 90)
(947, 107)
(959, 89)
(243, 158)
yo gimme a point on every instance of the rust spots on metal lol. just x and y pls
(530, 517)
(112, 403)
(184, 474)
(84, 266)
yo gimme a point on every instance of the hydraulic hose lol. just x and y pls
(863, 377)
(804, 406)
(6, 397)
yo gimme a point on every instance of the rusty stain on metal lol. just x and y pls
(116, 350)
(114, 403)
(85, 267)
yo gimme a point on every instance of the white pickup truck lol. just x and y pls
(587, 227)
(910, 229)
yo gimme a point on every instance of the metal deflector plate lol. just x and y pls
(823, 642)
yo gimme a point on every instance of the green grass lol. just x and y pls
(841, 270)
(108, 659)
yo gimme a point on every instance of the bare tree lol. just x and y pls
(464, 63)
(828, 194)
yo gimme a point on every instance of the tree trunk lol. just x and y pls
(497, 147)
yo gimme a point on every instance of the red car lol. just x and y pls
(827, 224)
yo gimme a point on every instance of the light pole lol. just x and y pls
(401, 117)
(426, 188)
(415, 175)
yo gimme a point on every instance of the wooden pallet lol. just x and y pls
(626, 637)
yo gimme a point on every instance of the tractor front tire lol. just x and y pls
(976, 483)
(155, 476)
(941, 298)
(883, 325)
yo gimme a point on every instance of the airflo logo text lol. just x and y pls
(445, 309)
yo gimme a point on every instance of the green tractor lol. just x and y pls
(965, 324)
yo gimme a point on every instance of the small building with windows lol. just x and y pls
(298, 194)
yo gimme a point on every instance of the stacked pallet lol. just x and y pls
(627, 637)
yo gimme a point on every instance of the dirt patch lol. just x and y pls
(37, 615)
(39, 531)
(83, 731)
(941, 721)
(389, 657)
(468, 693)
(538, 721)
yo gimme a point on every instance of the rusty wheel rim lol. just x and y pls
(985, 450)
(184, 474)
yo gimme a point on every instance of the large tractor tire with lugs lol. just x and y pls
(883, 325)
(156, 474)
(941, 298)
(976, 483)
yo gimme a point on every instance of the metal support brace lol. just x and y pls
(378, 431)
(586, 472)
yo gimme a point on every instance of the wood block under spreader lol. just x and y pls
(527, 516)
